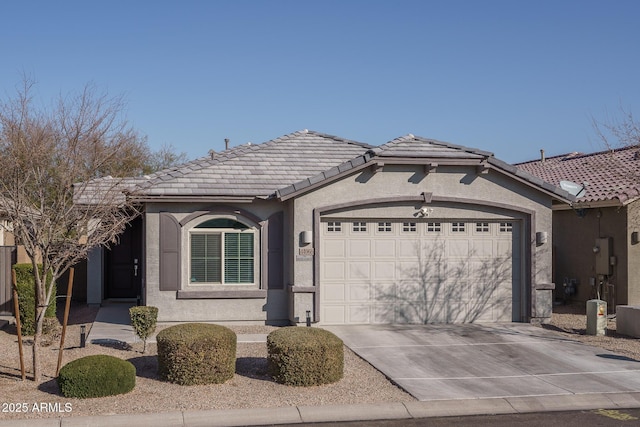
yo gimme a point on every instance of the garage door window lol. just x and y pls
(506, 227)
(434, 227)
(457, 227)
(482, 227)
(222, 252)
(384, 227)
(334, 226)
(359, 226)
(409, 227)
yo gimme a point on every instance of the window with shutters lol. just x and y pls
(222, 251)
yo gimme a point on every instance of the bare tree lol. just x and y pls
(47, 155)
(164, 158)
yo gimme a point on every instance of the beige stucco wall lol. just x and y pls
(633, 255)
(272, 309)
(410, 181)
(574, 238)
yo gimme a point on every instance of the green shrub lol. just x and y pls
(303, 356)
(26, 297)
(96, 376)
(143, 320)
(196, 353)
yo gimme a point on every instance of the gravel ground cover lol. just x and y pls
(251, 387)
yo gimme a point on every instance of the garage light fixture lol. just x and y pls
(541, 238)
(306, 237)
(425, 212)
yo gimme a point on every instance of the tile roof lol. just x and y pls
(415, 147)
(418, 147)
(294, 163)
(612, 175)
(254, 170)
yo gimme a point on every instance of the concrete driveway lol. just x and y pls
(472, 361)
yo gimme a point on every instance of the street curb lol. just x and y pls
(344, 413)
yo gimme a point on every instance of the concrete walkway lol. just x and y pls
(113, 324)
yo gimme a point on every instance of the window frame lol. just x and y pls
(193, 229)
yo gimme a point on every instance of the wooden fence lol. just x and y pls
(7, 259)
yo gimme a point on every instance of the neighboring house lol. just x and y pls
(596, 239)
(314, 225)
(10, 254)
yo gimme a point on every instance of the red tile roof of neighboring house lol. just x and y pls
(612, 175)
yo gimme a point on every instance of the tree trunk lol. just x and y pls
(36, 342)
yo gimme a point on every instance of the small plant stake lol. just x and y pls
(16, 307)
(64, 321)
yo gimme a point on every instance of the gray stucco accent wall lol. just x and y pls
(397, 191)
(219, 303)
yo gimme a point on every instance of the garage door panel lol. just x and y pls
(383, 292)
(408, 269)
(359, 248)
(359, 313)
(333, 249)
(334, 270)
(415, 276)
(383, 313)
(384, 270)
(433, 249)
(334, 292)
(482, 248)
(359, 292)
(359, 270)
(456, 269)
(446, 311)
(409, 248)
(422, 290)
(457, 248)
(336, 313)
(459, 290)
(504, 248)
(410, 312)
(384, 248)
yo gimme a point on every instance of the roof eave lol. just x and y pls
(526, 178)
(195, 199)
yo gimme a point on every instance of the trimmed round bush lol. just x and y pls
(196, 353)
(96, 376)
(302, 356)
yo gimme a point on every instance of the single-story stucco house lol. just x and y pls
(596, 239)
(343, 232)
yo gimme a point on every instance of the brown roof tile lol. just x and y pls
(612, 175)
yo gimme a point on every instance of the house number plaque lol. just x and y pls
(306, 252)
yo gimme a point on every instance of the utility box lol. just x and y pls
(604, 251)
(596, 317)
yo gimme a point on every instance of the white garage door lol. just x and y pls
(389, 271)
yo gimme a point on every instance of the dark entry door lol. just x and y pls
(124, 264)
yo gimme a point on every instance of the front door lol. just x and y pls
(124, 264)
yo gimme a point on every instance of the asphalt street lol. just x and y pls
(590, 418)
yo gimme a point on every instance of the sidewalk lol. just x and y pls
(344, 413)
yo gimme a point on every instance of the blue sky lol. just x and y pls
(510, 77)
